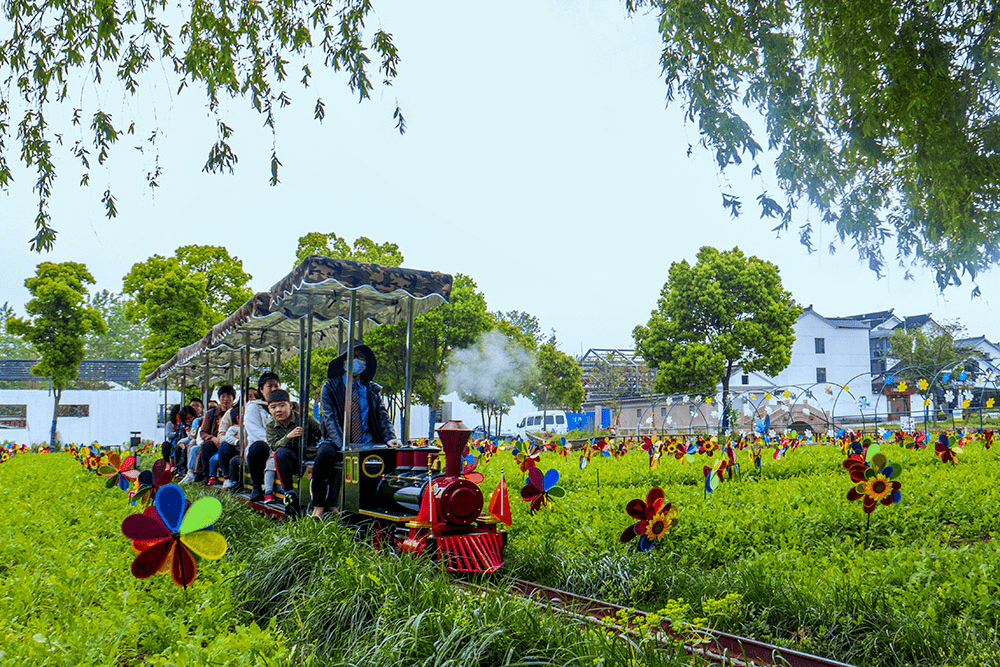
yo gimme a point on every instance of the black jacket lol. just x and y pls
(332, 402)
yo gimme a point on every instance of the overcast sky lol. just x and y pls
(540, 159)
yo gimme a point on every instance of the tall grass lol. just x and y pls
(352, 605)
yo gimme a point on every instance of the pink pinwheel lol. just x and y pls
(167, 533)
(119, 471)
(540, 490)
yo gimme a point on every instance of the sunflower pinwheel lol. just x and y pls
(540, 489)
(119, 471)
(169, 533)
(654, 518)
(874, 483)
(150, 481)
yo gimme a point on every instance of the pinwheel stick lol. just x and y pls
(183, 577)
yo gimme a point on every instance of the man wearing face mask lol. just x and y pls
(370, 422)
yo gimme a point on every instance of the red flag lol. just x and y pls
(499, 502)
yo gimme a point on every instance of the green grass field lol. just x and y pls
(780, 554)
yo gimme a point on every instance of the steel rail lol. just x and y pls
(714, 645)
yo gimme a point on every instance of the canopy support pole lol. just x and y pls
(207, 394)
(407, 374)
(348, 388)
(241, 446)
(166, 408)
(305, 387)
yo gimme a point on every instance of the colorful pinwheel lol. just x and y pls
(119, 471)
(945, 451)
(169, 531)
(540, 489)
(654, 518)
(875, 482)
(715, 473)
(469, 469)
(150, 481)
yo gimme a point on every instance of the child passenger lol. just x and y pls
(284, 438)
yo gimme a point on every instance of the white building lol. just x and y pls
(107, 416)
(828, 353)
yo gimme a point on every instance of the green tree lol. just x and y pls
(928, 352)
(727, 311)
(521, 326)
(882, 115)
(491, 372)
(56, 51)
(438, 332)
(171, 302)
(364, 250)
(225, 280)
(60, 324)
(123, 338)
(560, 381)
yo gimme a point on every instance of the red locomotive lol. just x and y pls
(423, 512)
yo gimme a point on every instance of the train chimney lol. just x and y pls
(454, 436)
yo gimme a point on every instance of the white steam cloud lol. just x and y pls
(492, 370)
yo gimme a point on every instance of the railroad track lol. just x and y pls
(712, 645)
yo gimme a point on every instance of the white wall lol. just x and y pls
(847, 355)
(114, 414)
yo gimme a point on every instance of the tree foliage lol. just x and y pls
(364, 250)
(178, 299)
(559, 380)
(171, 302)
(727, 311)
(12, 346)
(438, 332)
(56, 53)
(225, 280)
(491, 372)
(520, 326)
(123, 338)
(928, 351)
(60, 323)
(882, 115)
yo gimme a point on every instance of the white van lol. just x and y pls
(554, 422)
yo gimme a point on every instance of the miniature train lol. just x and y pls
(419, 511)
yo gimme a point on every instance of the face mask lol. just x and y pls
(358, 367)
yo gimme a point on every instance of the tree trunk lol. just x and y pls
(725, 397)
(57, 393)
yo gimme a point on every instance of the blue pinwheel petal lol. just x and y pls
(897, 495)
(123, 483)
(170, 503)
(606, 454)
(551, 479)
(645, 544)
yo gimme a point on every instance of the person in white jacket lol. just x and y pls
(255, 419)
